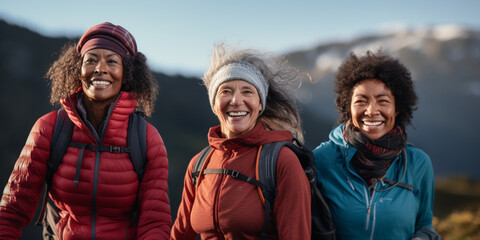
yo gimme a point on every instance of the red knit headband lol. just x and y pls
(108, 36)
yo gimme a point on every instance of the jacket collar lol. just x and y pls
(124, 106)
(255, 137)
(347, 151)
(336, 135)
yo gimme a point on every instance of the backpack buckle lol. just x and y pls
(115, 149)
(234, 173)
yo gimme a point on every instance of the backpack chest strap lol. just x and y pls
(235, 174)
(100, 148)
(94, 148)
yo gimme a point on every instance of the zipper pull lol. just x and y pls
(350, 183)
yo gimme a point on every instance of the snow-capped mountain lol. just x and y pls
(445, 65)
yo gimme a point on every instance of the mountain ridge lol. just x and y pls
(444, 62)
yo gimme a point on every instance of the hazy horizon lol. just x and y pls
(177, 37)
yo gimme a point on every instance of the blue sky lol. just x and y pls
(178, 36)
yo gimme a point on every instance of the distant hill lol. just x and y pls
(445, 65)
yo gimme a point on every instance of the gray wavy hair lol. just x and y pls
(281, 111)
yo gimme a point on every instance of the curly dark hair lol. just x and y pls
(379, 66)
(66, 79)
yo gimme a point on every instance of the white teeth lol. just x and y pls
(237, 114)
(100, 83)
(372, 123)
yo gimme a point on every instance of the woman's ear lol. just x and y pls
(214, 110)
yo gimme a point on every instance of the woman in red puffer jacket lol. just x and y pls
(99, 82)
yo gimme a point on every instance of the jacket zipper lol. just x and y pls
(369, 200)
(215, 213)
(94, 193)
(374, 220)
(99, 139)
(95, 176)
(126, 231)
(216, 210)
(97, 163)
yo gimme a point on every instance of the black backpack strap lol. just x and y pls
(62, 133)
(137, 143)
(322, 223)
(267, 171)
(267, 166)
(197, 166)
(137, 149)
(267, 174)
(235, 174)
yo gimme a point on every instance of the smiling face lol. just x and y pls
(373, 108)
(102, 75)
(237, 106)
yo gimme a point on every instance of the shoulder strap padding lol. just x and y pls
(267, 166)
(197, 166)
(267, 172)
(137, 142)
(62, 133)
(267, 169)
(61, 136)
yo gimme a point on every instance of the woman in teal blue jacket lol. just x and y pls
(376, 185)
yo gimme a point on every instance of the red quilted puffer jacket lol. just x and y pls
(99, 207)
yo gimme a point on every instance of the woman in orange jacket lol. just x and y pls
(249, 95)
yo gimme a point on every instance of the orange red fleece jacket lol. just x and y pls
(226, 208)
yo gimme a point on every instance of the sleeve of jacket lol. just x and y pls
(155, 217)
(182, 228)
(426, 188)
(292, 206)
(22, 192)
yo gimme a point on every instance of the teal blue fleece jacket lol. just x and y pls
(402, 212)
